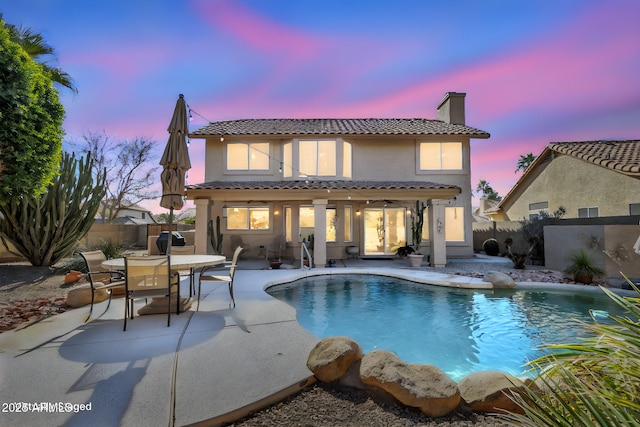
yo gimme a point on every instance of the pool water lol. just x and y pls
(458, 330)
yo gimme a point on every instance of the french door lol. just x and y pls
(384, 230)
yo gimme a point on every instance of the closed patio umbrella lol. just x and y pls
(175, 162)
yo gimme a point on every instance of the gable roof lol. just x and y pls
(370, 126)
(622, 156)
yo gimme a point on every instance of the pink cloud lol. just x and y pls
(260, 34)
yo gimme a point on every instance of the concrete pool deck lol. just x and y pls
(208, 367)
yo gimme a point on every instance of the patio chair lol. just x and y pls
(236, 241)
(149, 276)
(276, 247)
(185, 250)
(208, 275)
(99, 278)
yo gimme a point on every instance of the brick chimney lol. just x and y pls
(451, 108)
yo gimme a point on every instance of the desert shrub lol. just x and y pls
(592, 383)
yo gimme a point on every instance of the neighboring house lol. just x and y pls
(342, 182)
(132, 214)
(588, 179)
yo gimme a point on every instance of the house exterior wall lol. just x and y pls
(573, 184)
(374, 158)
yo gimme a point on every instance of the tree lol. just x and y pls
(46, 228)
(487, 191)
(129, 176)
(31, 116)
(524, 162)
(41, 52)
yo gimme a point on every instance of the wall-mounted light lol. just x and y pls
(280, 168)
(224, 211)
(349, 196)
(276, 212)
(358, 212)
(221, 138)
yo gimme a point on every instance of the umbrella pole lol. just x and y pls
(170, 231)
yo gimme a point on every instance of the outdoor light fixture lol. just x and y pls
(221, 138)
(280, 168)
(224, 211)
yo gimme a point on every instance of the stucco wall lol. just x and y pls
(500, 230)
(574, 184)
(616, 240)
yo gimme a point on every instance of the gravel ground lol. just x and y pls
(324, 405)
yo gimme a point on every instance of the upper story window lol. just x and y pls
(440, 155)
(317, 157)
(252, 156)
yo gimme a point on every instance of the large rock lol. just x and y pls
(499, 280)
(78, 297)
(491, 247)
(489, 391)
(421, 386)
(331, 358)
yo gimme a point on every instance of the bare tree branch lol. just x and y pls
(129, 170)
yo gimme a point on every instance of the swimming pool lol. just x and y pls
(458, 330)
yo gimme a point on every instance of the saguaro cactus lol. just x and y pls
(215, 235)
(44, 229)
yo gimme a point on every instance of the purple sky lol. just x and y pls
(534, 71)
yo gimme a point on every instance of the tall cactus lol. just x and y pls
(417, 221)
(46, 228)
(215, 235)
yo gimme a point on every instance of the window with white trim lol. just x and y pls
(316, 158)
(588, 212)
(454, 224)
(440, 156)
(348, 224)
(243, 156)
(248, 218)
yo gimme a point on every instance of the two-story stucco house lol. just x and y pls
(348, 182)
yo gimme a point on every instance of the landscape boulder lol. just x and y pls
(499, 280)
(491, 247)
(331, 358)
(489, 391)
(81, 296)
(420, 386)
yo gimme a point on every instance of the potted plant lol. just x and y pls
(582, 267)
(417, 221)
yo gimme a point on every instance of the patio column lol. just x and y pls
(437, 240)
(320, 232)
(203, 215)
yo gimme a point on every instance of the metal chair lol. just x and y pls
(276, 247)
(149, 276)
(99, 278)
(224, 278)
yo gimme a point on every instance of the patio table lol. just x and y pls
(178, 263)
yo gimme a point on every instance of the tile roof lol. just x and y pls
(620, 156)
(319, 184)
(337, 127)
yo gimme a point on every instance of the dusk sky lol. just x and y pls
(534, 71)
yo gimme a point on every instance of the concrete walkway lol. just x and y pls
(208, 367)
